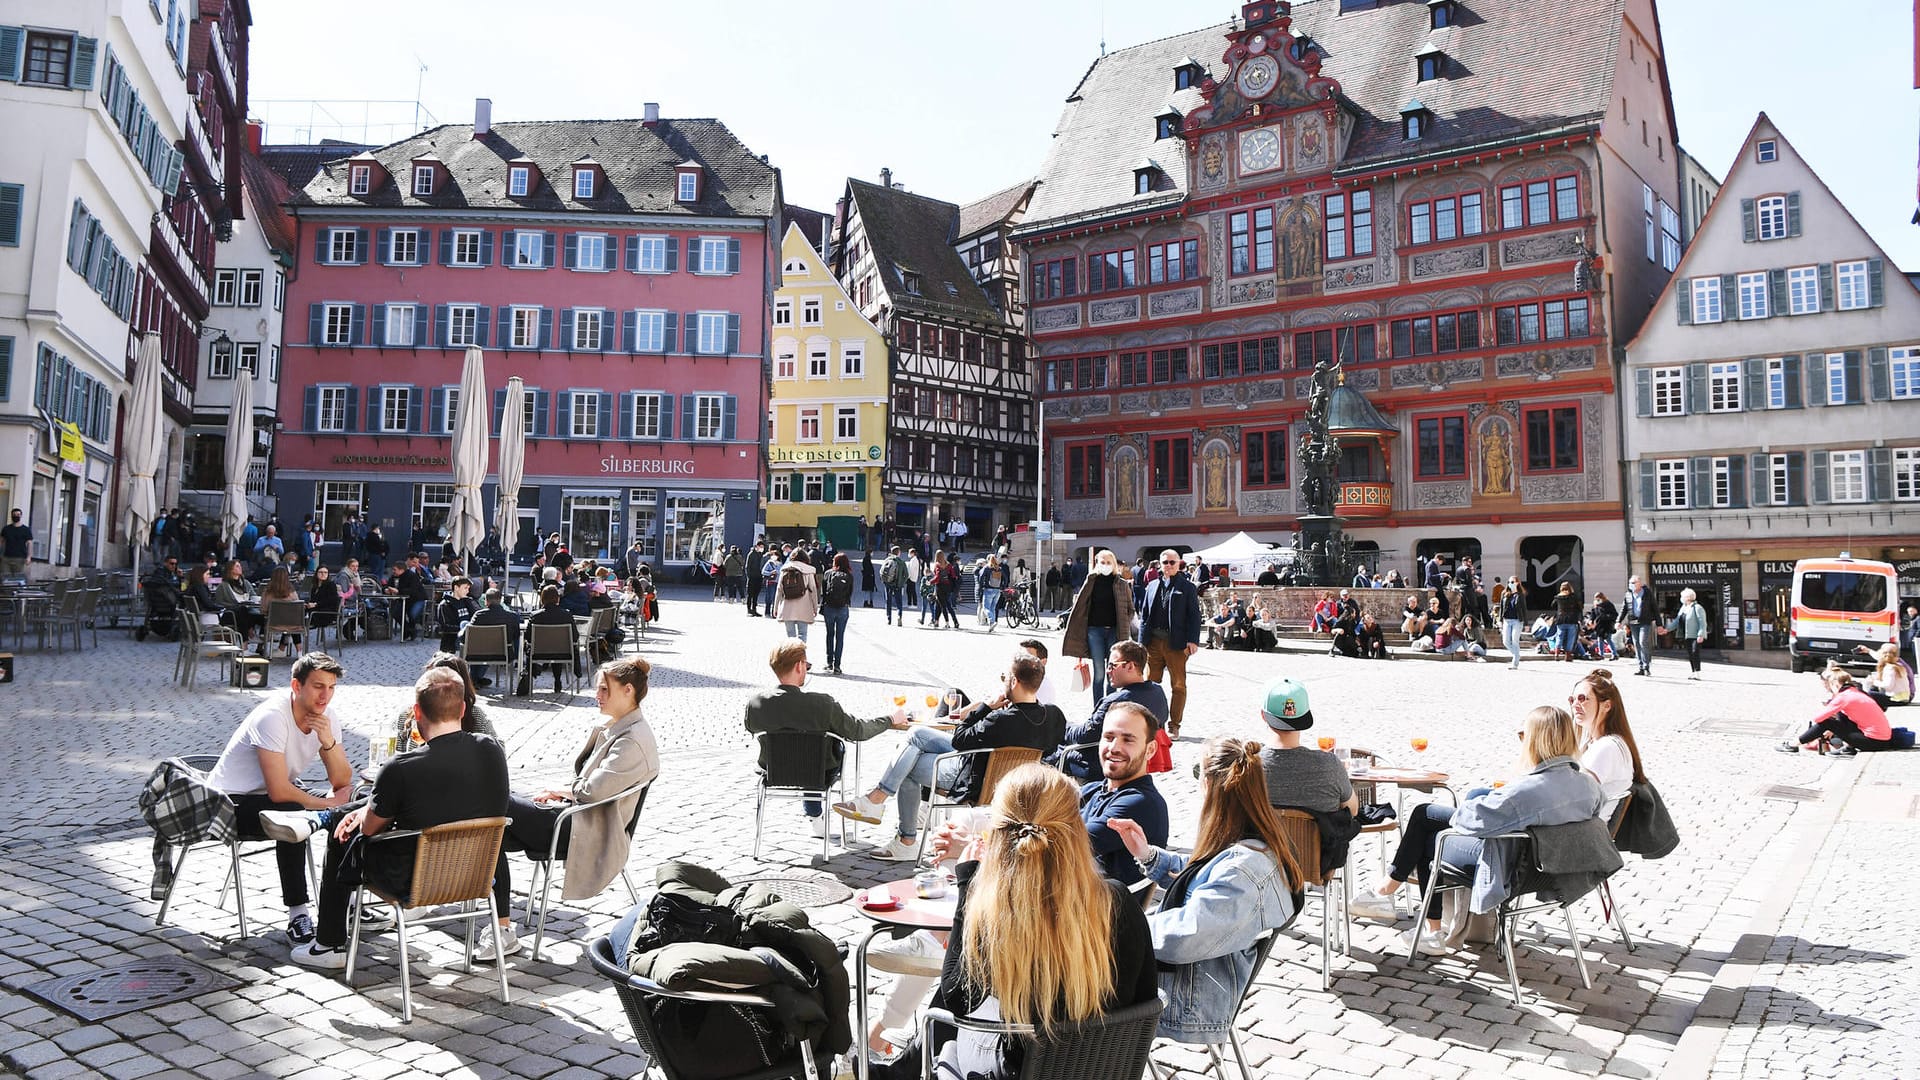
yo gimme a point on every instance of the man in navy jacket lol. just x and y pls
(1170, 625)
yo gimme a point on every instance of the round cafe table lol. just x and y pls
(914, 913)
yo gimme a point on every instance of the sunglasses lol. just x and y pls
(1579, 699)
(1169, 562)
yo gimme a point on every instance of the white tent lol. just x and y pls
(1245, 557)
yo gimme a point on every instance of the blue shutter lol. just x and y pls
(546, 328)
(1790, 374)
(311, 410)
(673, 254)
(1880, 474)
(358, 335)
(506, 246)
(1879, 377)
(1793, 213)
(606, 415)
(733, 255)
(566, 414)
(379, 324)
(423, 248)
(421, 327)
(1643, 392)
(506, 327)
(632, 254)
(437, 409)
(6, 369)
(1796, 478)
(573, 251)
(499, 407)
(1761, 480)
(482, 322)
(566, 329)
(80, 76)
(687, 402)
(693, 254)
(373, 407)
(486, 247)
(540, 403)
(1876, 282)
(12, 41)
(626, 414)
(352, 411)
(728, 415)
(383, 246)
(693, 339)
(320, 245)
(416, 400)
(1855, 378)
(733, 334)
(630, 328)
(1821, 491)
(11, 196)
(666, 416)
(446, 247)
(359, 246)
(609, 331)
(547, 256)
(670, 340)
(316, 324)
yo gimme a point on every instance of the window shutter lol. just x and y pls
(352, 411)
(379, 324)
(499, 407)
(1737, 481)
(1762, 480)
(360, 245)
(1790, 374)
(383, 247)
(10, 198)
(1697, 399)
(666, 416)
(1880, 474)
(508, 257)
(687, 429)
(316, 324)
(1825, 273)
(1854, 380)
(609, 332)
(1876, 282)
(733, 255)
(606, 415)
(373, 408)
(566, 328)
(486, 247)
(311, 411)
(630, 329)
(421, 326)
(1793, 213)
(626, 414)
(573, 251)
(693, 254)
(1797, 478)
(860, 486)
(320, 245)
(733, 334)
(12, 41)
(423, 248)
(1820, 489)
(1683, 301)
(1879, 380)
(1753, 395)
(673, 254)
(693, 332)
(416, 399)
(80, 76)
(1729, 297)
(1777, 288)
(1642, 392)
(1649, 490)
(828, 488)
(506, 327)
(446, 247)
(566, 414)
(546, 328)
(481, 324)
(358, 335)
(1816, 378)
(1746, 220)
(1700, 482)
(541, 401)
(548, 256)
(633, 254)
(671, 337)
(729, 415)
(437, 409)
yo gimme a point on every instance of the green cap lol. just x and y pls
(1285, 706)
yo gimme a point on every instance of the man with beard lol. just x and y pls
(1126, 791)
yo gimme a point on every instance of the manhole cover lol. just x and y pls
(1718, 726)
(1791, 794)
(805, 891)
(109, 992)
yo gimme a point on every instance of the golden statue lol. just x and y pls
(1496, 459)
(1126, 483)
(1215, 496)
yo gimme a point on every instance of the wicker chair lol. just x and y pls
(1303, 840)
(637, 995)
(1001, 760)
(452, 864)
(1102, 1048)
(543, 861)
(802, 769)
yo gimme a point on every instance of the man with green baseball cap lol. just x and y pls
(1300, 777)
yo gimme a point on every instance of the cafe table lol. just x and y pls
(912, 912)
(22, 597)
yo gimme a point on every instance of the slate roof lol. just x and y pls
(266, 193)
(297, 163)
(992, 210)
(639, 163)
(916, 233)
(813, 224)
(1513, 68)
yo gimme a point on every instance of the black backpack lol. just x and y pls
(838, 591)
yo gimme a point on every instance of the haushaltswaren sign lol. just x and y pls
(825, 455)
(618, 466)
(417, 460)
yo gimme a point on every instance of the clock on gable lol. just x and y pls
(1257, 75)
(1259, 150)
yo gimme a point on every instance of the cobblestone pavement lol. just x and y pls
(1781, 915)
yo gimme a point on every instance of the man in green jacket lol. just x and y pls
(788, 708)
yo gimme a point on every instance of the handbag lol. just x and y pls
(1161, 759)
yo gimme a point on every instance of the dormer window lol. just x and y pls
(1144, 179)
(1166, 125)
(1187, 75)
(1415, 119)
(583, 183)
(1302, 44)
(686, 186)
(519, 180)
(423, 179)
(1767, 150)
(1440, 14)
(359, 179)
(910, 281)
(1429, 63)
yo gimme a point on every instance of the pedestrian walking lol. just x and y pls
(1640, 619)
(1690, 626)
(836, 601)
(1102, 614)
(893, 575)
(1513, 616)
(866, 576)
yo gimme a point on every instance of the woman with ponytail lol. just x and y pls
(1240, 882)
(1003, 961)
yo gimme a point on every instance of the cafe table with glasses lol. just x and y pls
(925, 901)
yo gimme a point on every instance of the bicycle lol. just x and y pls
(1017, 607)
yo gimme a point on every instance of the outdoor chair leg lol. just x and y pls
(1506, 952)
(759, 815)
(353, 932)
(1326, 937)
(1579, 954)
(406, 971)
(826, 826)
(1219, 1067)
(627, 880)
(1420, 920)
(174, 883)
(500, 962)
(545, 873)
(1610, 907)
(1239, 1052)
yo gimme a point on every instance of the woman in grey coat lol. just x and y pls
(1102, 614)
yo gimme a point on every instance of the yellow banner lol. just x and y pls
(72, 447)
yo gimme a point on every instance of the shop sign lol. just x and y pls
(72, 446)
(413, 460)
(1697, 570)
(825, 455)
(619, 466)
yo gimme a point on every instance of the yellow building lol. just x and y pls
(826, 453)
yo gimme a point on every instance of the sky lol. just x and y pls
(960, 99)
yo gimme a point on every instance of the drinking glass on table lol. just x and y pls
(933, 701)
(1419, 744)
(900, 698)
(1326, 742)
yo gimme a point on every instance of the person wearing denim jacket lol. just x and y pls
(1222, 899)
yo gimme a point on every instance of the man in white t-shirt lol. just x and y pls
(261, 766)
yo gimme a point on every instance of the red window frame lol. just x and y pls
(1552, 410)
(1161, 256)
(1553, 201)
(1444, 208)
(1170, 465)
(1053, 279)
(1274, 449)
(1111, 270)
(1086, 470)
(1438, 468)
(1538, 309)
(1395, 338)
(1351, 222)
(1170, 366)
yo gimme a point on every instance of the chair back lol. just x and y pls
(1302, 834)
(1368, 792)
(602, 621)
(1002, 761)
(638, 995)
(455, 861)
(1142, 891)
(286, 617)
(487, 643)
(90, 601)
(796, 760)
(70, 601)
(1619, 816)
(1098, 1049)
(549, 643)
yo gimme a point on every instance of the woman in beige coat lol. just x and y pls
(619, 755)
(797, 612)
(1102, 614)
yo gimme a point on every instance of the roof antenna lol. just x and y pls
(418, 84)
(1103, 29)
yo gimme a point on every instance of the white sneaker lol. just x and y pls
(483, 948)
(315, 955)
(288, 826)
(1372, 904)
(1432, 942)
(819, 825)
(862, 810)
(897, 850)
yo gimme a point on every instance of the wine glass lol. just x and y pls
(900, 699)
(1326, 742)
(1419, 744)
(933, 701)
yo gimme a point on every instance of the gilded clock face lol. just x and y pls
(1257, 76)
(1259, 150)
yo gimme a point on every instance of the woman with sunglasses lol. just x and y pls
(1102, 614)
(1607, 749)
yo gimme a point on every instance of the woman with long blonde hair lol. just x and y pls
(1039, 937)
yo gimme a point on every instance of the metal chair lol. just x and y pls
(543, 861)
(284, 617)
(198, 641)
(1303, 840)
(202, 764)
(1001, 760)
(638, 995)
(1101, 1048)
(1610, 907)
(1262, 948)
(66, 614)
(89, 616)
(452, 864)
(551, 643)
(1068, 750)
(488, 643)
(802, 769)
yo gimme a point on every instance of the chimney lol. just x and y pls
(886, 178)
(256, 134)
(651, 115)
(482, 116)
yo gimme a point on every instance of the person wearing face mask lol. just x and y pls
(1102, 614)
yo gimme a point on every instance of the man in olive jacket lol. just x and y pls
(787, 708)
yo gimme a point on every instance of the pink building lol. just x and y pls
(621, 268)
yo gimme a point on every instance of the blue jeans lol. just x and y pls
(1643, 646)
(896, 603)
(415, 608)
(927, 602)
(796, 630)
(990, 603)
(912, 772)
(1510, 633)
(773, 582)
(1566, 637)
(836, 618)
(1099, 644)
